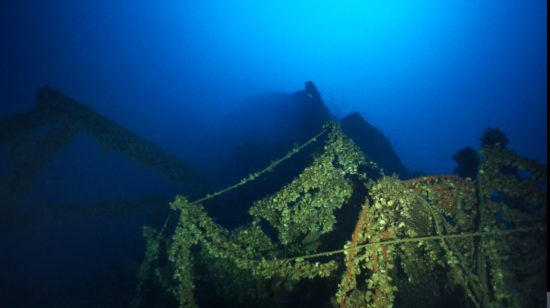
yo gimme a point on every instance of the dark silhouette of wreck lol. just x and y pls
(35, 136)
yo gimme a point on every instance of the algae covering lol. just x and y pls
(429, 241)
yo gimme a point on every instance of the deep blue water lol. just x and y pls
(431, 75)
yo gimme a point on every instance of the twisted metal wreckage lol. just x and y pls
(420, 241)
(411, 236)
(35, 136)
